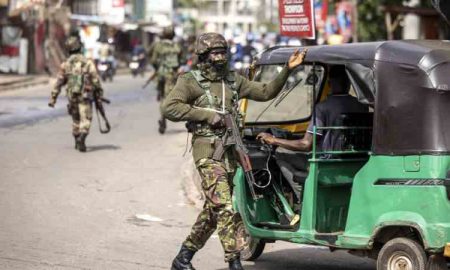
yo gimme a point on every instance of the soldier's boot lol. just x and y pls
(183, 260)
(158, 96)
(235, 264)
(75, 136)
(162, 125)
(82, 142)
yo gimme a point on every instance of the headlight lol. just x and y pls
(134, 65)
(102, 67)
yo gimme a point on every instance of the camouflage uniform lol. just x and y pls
(165, 58)
(80, 77)
(193, 98)
(217, 211)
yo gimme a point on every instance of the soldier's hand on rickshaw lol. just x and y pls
(266, 138)
(296, 58)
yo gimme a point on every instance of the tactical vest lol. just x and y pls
(168, 52)
(75, 71)
(230, 80)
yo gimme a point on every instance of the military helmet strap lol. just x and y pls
(231, 82)
(205, 84)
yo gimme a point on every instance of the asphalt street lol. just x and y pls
(118, 206)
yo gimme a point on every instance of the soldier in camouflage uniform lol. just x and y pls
(165, 58)
(80, 77)
(200, 97)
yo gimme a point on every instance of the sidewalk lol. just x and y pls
(14, 81)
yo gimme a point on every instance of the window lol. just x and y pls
(294, 102)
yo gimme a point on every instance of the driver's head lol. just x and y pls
(339, 81)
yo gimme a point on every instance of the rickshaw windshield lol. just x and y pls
(293, 103)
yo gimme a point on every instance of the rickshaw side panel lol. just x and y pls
(382, 198)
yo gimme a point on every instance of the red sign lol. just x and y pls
(297, 18)
(118, 3)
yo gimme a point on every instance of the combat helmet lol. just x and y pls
(73, 44)
(168, 32)
(208, 41)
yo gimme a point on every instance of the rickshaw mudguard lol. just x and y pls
(389, 192)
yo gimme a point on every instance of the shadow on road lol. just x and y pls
(102, 147)
(309, 259)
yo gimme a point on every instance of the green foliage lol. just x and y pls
(185, 3)
(371, 23)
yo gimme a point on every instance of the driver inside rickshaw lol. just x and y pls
(328, 114)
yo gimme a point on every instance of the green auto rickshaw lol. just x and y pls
(386, 193)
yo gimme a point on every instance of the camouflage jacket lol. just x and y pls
(80, 77)
(186, 100)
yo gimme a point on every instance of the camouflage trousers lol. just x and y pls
(81, 112)
(217, 211)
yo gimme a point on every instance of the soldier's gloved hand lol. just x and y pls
(52, 102)
(217, 121)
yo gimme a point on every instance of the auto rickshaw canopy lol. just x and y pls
(406, 81)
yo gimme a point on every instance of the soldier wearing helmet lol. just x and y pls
(201, 97)
(80, 77)
(165, 57)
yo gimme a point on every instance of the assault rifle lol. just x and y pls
(152, 77)
(98, 101)
(232, 137)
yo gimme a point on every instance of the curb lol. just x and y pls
(23, 83)
(34, 80)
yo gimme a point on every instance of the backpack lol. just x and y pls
(169, 53)
(75, 70)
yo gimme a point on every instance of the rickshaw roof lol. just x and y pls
(364, 61)
(410, 52)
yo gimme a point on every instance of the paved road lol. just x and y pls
(118, 206)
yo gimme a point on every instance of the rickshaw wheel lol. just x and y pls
(436, 262)
(253, 248)
(401, 254)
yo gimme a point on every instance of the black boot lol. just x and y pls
(162, 126)
(82, 142)
(183, 260)
(235, 264)
(76, 141)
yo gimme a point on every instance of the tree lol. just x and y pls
(371, 24)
